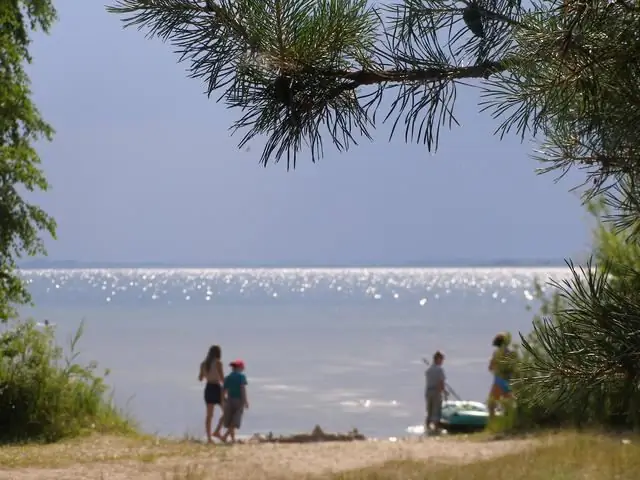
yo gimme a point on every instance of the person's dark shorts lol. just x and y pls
(213, 394)
(233, 410)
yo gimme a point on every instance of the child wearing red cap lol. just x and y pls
(235, 390)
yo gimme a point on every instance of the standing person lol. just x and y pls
(211, 371)
(502, 366)
(435, 392)
(235, 390)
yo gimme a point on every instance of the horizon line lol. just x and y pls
(498, 263)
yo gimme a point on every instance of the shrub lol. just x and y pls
(585, 363)
(535, 411)
(580, 365)
(47, 396)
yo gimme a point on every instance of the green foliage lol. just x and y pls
(45, 396)
(587, 361)
(534, 410)
(41, 397)
(580, 364)
(267, 58)
(301, 71)
(613, 248)
(21, 126)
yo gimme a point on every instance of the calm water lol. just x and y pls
(338, 347)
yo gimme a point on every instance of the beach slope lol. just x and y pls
(111, 458)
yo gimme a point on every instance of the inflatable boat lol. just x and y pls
(464, 416)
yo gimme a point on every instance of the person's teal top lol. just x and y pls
(233, 384)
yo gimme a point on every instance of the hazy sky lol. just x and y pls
(143, 169)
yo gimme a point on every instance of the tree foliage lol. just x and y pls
(301, 71)
(21, 126)
(581, 363)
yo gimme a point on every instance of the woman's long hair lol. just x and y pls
(215, 353)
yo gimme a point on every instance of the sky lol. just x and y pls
(143, 169)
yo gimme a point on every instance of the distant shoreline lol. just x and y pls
(73, 265)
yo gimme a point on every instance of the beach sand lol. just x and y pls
(111, 458)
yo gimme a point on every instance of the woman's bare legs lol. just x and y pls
(216, 432)
(498, 396)
(495, 394)
(207, 421)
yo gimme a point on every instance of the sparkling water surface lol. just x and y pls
(337, 347)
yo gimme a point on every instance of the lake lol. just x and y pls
(337, 347)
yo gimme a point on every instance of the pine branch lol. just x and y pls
(297, 68)
(355, 79)
(426, 75)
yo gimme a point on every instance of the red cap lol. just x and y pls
(237, 364)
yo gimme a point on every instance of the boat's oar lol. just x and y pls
(453, 392)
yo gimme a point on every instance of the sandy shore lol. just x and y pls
(111, 458)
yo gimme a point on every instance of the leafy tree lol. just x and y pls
(564, 72)
(43, 395)
(20, 127)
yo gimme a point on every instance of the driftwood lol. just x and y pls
(316, 435)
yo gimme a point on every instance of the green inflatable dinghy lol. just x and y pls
(464, 416)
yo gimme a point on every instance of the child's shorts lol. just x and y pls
(233, 410)
(502, 384)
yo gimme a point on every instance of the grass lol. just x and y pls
(48, 396)
(568, 457)
(99, 449)
(561, 456)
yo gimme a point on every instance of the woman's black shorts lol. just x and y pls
(213, 394)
